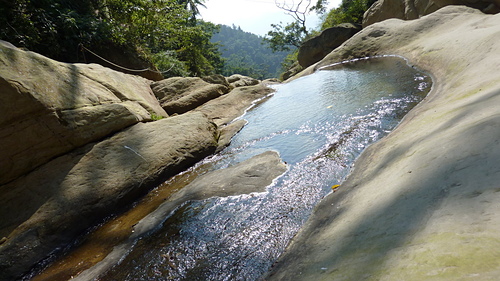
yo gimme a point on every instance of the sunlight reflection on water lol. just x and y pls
(319, 124)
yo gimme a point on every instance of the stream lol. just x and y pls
(319, 124)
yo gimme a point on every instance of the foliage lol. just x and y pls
(56, 28)
(244, 53)
(350, 11)
(285, 38)
(289, 37)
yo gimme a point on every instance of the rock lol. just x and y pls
(422, 203)
(52, 205)
(252, 175)
(226, 108)
(414, 9)
(271, 81)
(50, 108)
(227, 133)
(216, 79)
(237, 80)
(181, 94)
(316, 48)
(292, 71)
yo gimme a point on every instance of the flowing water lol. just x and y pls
(319, 124)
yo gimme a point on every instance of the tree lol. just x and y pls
(349, 11)
(286, 37)
(192, 5)
(158, 30)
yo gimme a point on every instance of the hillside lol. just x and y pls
(244, 53)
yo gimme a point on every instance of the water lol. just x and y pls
(319, 124)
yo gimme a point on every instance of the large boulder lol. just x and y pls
(178, 95)
(414, 9)
(316, 48)
(422, 203)
(49, 207)
(49, 108)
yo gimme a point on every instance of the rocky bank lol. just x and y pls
(424, 202)
(79, 142)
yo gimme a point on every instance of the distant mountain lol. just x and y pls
(244, 53)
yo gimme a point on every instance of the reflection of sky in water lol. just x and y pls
(319, 124)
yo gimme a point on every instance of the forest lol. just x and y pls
(163, 35)
(247, 54)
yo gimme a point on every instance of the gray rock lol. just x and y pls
(178, 95)
(238, 80)
(423, 202)
(52, 205)
(316, 48)
(49, 108)
(226, 108)
(252, 175)
(414, 9)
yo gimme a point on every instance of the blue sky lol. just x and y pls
(254, 16)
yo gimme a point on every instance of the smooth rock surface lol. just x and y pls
(182, 94)
(414, 9)
(49, 108)
(252, 175)
(238, 80)
(424, 202)
(58, 201)
(226, 108)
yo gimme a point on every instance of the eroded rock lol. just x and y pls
(316, 48)
(238, 80)
(49, 207)
(414, 9)
(50, 108)
(423, 202)
(226, 108)
(178, 95)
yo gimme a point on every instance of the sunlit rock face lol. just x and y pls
(316, 48)
(178, 95)
(78, 142)
(49, 108)
(414, 9)
(422, 203)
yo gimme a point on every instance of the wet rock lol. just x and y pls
(424, 201)
(252, 175)
(178, 95)
(52, 205)
(316, 48)
(49, 108)
(226, 108)
(227, 133)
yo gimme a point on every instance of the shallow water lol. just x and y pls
(319, 124)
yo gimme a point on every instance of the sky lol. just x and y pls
(255, 16)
